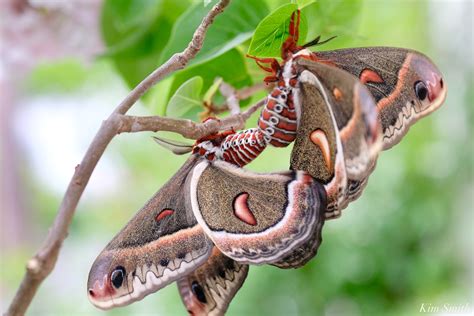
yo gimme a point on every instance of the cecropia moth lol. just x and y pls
(213, 219)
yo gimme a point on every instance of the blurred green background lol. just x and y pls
(406, 242)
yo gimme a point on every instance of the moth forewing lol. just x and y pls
(405, 83)
(160, 244)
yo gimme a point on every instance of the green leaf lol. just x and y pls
(123, 23)
(272, 32)
(61, 76)
(186, 102)
(134, 70)
(135, 33)
(234, 26)
(229, 66)
(328, 18)
(304, 3)
(275, 4)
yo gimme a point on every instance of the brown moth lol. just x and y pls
(337, 141)
(349, 105)
(213, 219)
(392, 87)
(202, 228)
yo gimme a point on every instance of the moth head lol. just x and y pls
(108, 283)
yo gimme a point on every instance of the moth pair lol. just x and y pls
(213, 218)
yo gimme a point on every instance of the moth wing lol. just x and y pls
(354, 111)
(255, 218)
(162, 243)
(392, 75)
(300, 255)
(338, 120)
(211, 287)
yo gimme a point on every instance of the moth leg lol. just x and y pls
(274, 69)
(295, 27)
(290, 46)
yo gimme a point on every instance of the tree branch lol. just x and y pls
(232, 101)
(186, 128)
(41, 265)
(247, 92)
(232, 97)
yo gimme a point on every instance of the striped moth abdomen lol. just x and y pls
(238, 148)
(278, 119)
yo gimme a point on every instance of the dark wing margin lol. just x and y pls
(255, 218)
(210, 288)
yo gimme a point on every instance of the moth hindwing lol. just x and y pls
(209, 289)
(339, 134)
(255, 218)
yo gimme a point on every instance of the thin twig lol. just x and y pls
(230, 95)
(41, 265)
(233, 98)
(186, 128)
(247, 92)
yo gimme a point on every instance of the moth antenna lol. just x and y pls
(329, 39)
(297, 30)
(176, 147)
(290, 46)
(313, 42)
(316, 41)
(259, 62)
